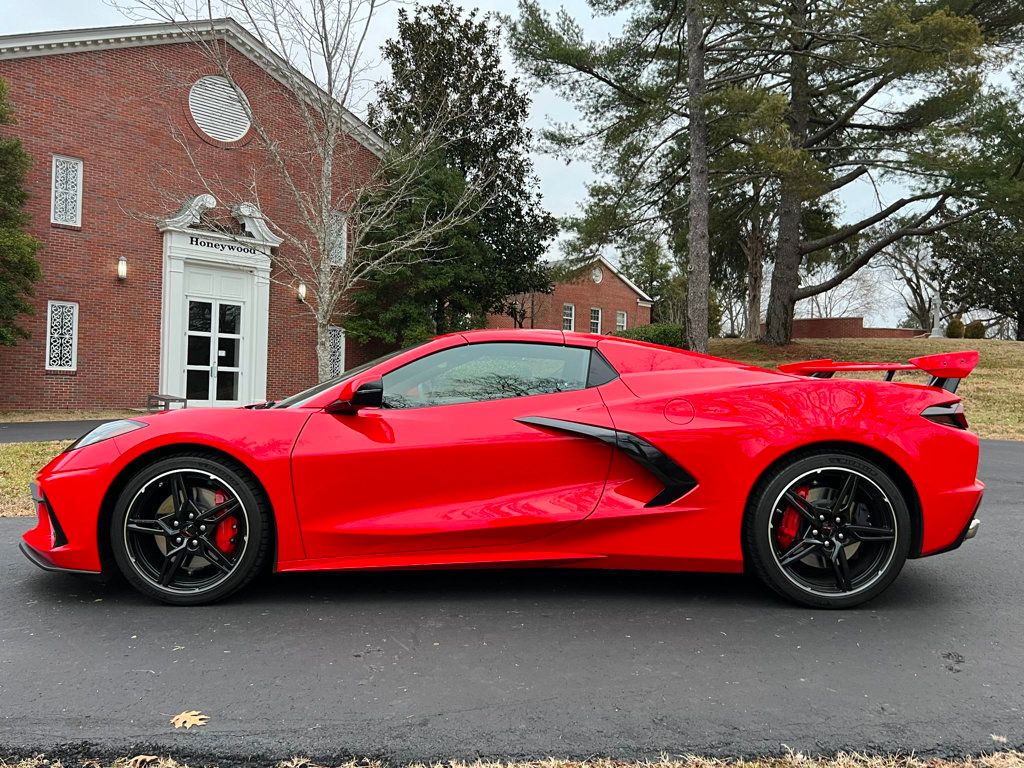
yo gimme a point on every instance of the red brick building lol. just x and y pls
(600, 300)
(151, 283)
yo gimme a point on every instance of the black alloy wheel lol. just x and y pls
(190, 529)
(830, 530)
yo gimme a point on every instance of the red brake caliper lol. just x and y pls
(224, 536)
(790, 525)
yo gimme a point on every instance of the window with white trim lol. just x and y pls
(66, 191)
(339, 239)
(61, 336)
(620, 320)
(568, 317)
(595, 320)
(336, 343)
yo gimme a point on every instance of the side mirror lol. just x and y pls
(367, 395)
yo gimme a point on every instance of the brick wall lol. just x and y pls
(123, 112)
(847, 328)
(611, 295)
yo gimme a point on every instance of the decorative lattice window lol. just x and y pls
(620, 320)
(336, 343)
(568, 317)
(339, 239)
(61, 336)
(66, 197)
(218, 110)
(595, 320)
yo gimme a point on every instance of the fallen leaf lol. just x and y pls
(141, 761)
(998, 739)
(187, 719)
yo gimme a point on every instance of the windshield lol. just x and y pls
(301, 398)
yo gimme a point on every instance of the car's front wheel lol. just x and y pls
(190, 529)
(828, 530)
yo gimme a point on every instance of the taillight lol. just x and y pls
(948, 414)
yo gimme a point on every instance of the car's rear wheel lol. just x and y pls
(190, 529)
(828, 530)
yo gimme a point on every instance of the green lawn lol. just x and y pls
(19, 463)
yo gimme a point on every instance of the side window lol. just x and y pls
(568, 317)
(477, 372)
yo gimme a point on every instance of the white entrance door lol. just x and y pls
(214, 352)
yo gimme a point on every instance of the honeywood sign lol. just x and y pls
(224, 247)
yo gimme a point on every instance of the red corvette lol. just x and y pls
(505, 448)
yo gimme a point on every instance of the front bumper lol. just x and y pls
(37, 558)
(49, 547)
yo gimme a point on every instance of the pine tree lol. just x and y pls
(19, 269)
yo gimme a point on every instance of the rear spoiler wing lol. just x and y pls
(946, 369)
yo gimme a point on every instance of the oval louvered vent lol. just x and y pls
(217, 109)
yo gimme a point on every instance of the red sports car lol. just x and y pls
(512, 448)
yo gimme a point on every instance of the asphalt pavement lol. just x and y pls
(525, 663)
(36, 431)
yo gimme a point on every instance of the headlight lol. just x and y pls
(107, 431)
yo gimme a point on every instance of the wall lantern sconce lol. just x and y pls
(301, 291)
(122, 268)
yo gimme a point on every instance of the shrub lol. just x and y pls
(974, 330)
(666, 334)
(955, 329)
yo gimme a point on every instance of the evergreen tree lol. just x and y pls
(980, 265)
(803, 100)
(446, 63)
(19, 269)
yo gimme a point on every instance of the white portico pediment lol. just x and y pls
(215, 305)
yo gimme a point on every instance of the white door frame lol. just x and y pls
(184, 245)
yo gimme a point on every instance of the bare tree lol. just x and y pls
(856, 296)
(910, 262)
(340, 228)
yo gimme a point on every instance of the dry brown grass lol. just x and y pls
(19, 463)
(1008, 759)
(993, 394)
(19, 417)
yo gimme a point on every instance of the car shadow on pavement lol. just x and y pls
(593, 588)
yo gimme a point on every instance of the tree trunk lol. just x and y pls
(786, 273)
(698, 239)
(324, 362)
(440, 319)
(753, 249)
(1020, 325)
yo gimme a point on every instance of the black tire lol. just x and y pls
(161, 550)
(850, 539)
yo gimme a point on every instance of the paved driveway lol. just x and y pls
(36, 431)
(421, 665)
